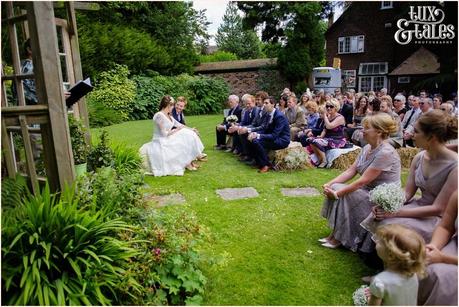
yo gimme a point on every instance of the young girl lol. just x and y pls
(403, 253)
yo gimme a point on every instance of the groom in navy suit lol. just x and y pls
(222, 129)
(177, 111)
(275, 136)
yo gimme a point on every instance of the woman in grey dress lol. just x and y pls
(433, 171)
(440, 286)
(348, 204)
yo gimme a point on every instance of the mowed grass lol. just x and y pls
(265, 249)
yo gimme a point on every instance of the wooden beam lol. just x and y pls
(55, 135)
(8, 152)
(29, 155)
(78, 5)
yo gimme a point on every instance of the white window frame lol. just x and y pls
(372, 83)
(405, 79)
(351, 44)
(385, 5)
(349, 73)
(375, 68)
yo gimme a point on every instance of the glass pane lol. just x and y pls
(65, 77)
(59, 39)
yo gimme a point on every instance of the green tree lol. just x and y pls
(233, 38)
(297, 26)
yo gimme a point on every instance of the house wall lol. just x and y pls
(367, 18)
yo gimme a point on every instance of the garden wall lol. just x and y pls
(247, 76)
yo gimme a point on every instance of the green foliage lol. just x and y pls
(13, 191)
(101, 116)
(219, 56)
(104, 44)
(168, 267)
(205, 95)
(80, 148)
(126, 159)
(232, 37)
(101, 155)
(57, 254)
(271, 50)
(114, 90)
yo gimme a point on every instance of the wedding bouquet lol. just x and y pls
(359, 297)
(389, 196)
(296, 159)
(231, 119)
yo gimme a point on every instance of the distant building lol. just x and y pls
(363, 39)
(211, 49)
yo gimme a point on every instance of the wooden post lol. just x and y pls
(56, 138)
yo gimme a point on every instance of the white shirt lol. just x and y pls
(395, 289)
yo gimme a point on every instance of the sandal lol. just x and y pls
(191, 168)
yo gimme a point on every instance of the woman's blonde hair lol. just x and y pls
(437, 123)
(382, 122)
(387, 99)
(404, 247)
(312, 105)
(335, 103)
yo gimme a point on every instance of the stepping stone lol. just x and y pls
(237, 193)
(165, 200)
(299, 192)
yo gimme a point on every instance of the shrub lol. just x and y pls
(80, 148)
(126, 159)
(219, 56)
(168, 266)
(114, 90)
(209, 95)
(101, 155)
(57, 254)
(101, 116)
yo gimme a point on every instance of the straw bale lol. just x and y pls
(344, 161)
(279, 157)
(406, 155)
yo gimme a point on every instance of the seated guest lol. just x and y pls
(437, 101)
(282, 105)
(295, 117)
(314, 131)
(347, 202)
(275, 136)
(260, 122)
(395, 139)
(399, 106)
(177, 111)
(304, 99)
(433, 171)
(425, 105)
(312, 115)
(250, 112)
(360, 110)
(332, 136)
(440, 286)
(373, 108)
(346, 108)
(222, 129)
(447, 107)
(411, 116)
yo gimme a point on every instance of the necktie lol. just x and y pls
(409, 118)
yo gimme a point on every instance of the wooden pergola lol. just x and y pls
(54, 43)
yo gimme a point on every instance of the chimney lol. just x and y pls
(330, 18)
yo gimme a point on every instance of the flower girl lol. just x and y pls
(403, 252)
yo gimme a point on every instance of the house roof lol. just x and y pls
(340, 18)
(421, 62)
(236, 65)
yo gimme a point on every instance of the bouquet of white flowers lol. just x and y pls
(389, 196)
(296, 159)
(231, 119)
(359, 297)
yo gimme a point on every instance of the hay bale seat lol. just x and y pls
(406, 154)
(282, 158)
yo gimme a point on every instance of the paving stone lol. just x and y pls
(299, 192)
(165, 200)
(237, 193)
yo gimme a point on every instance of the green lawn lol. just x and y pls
(266, 248)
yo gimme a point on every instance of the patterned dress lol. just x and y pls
(334, 138)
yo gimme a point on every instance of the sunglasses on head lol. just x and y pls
(329, 106)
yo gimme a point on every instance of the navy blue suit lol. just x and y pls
(247, 118)
(221, 135)
(178, 117)
(275, 136)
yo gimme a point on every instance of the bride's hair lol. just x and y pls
(165, 102)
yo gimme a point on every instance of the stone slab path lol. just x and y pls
(300, 192)
(165, 200)
(237, 193)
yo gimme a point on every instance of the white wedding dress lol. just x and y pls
(170, 151)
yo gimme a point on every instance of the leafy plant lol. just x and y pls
(101, 116)
(126, 159)
(80, 148)
(101, 154)
(168, 265)
(219, 56)
(58, 254)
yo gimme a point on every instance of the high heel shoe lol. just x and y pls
(323, 240)
(331, 245)
(191, 168)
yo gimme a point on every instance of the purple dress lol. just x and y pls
(334, 138)
(345, 214)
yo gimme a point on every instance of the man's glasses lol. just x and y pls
(443, 109)
(329, 106)
(397, 100)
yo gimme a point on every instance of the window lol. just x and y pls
(404, 80)
(386, 5)
(372, 83)
(351, 44)
(373, 68)
(322, 81)
(348, 77)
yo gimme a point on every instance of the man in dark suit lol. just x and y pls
(222, 129)
(249, 113)
(177, 111)
(347, 109)
(275, 136)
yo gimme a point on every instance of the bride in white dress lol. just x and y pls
(171, 150)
